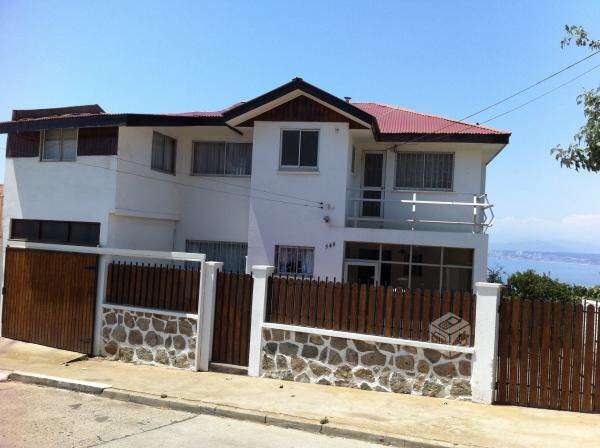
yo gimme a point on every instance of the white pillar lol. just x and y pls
(206, 313)
(101, 279)
(261, 276)
(483, 373)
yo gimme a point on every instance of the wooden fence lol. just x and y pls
(233, 311)
(549, 355)
(369, 309)
(147, 285)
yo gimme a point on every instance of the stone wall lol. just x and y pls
(311, 358)
(148, 338)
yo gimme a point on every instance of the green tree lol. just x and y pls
(496, 275)
(584, 152)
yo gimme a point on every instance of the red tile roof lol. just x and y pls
(397, 120)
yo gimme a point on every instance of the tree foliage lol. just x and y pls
(532, 285)
(584, 152)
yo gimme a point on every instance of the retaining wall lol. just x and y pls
(136, 335)
(316, 358)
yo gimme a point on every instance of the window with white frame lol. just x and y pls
(294, 260)
(222, 159)
(59, 144)
(163, 153)
(299, 149)
(425, 170)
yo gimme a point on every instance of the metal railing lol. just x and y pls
(400, 209)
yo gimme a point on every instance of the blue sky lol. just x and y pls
(448, 58)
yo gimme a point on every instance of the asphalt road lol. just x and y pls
(33, 416)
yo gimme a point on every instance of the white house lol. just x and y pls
(298, 178)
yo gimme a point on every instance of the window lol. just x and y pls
(294, 260)
(59, 145)
(405, 266)
(60, 232)
(233, 255)
(163, 153)
(222, 159)
(299, 149)
(424, 170)
(353, 159)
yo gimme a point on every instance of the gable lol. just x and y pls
(303, 108)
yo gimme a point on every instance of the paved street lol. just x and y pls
(33, 416)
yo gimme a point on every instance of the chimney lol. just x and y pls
(347, 98)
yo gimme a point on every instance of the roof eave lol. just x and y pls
(429, 138)
(99, 120)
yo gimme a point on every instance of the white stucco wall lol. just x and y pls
(273, 224)
(203, 207)
(72, 191)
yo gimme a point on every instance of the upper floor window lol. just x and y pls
(425, 170)
(222, 159)
(59, 144)
(299, 149)
(294, 260)
(163, 153)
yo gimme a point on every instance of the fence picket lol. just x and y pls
(588, 363)
(566, 358)
(577, 346)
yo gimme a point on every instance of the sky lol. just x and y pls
(446, 58)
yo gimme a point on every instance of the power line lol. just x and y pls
(198, 187)
(542, 95)
(235, 185)
(529, 87)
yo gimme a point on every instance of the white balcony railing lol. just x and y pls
(419, 210)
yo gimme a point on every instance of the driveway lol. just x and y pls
(33, 416)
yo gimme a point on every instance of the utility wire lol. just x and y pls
(199, 187)
(542, 95)
(209, 179)
(503, 100)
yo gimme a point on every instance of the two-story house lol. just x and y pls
(297, 178)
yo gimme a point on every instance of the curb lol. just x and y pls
(198, 407)
(60, 383)
(280, 420)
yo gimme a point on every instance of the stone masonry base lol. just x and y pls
(312, 358)
(148, 338)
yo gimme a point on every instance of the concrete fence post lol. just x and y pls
(206, 313)
(261, 276)
(483, 375)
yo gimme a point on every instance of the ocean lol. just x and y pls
(579, 269)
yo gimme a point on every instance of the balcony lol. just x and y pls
(377, 208)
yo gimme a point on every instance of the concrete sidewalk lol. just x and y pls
(419, 420)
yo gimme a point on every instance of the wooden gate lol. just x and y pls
(549, 355)
(233, 309)
(49, 298)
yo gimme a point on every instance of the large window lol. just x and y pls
(222, 159)
(59, 144)
(294, 260)
(405, 266)
(60, 232)
(233, 255)
(163, 153)
(424, 170)
(299, 149)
